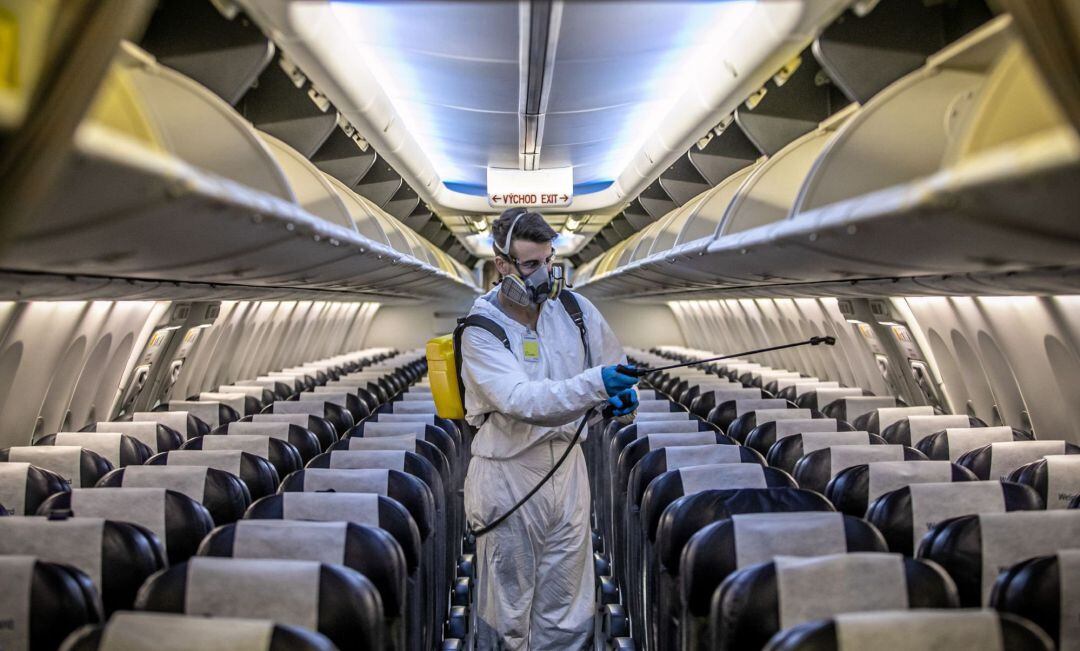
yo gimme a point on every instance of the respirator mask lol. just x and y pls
(528, 288)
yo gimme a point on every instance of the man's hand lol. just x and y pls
(624, 403)
(615, 382)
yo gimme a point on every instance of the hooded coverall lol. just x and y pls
(535, 571)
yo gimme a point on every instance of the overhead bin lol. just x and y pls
(168, 184)
(925, 189)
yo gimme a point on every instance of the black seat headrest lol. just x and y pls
(407, 489)
(674, 484)
(756, 602)
(118, 449)
(184, 422)
(161, 632)
(347, 399)
(997, 460)
(335, 600)
(1038, 589)
(1055, 477)
(658, 461)
(707, 399)
(853, 489)
(338, 415)
(909, 430)
(178, 521)
(304, 440)
(23, 487)
(814, 470)
(78, 466)
(61, 599)
(904, 516)
(913, 631)
(159, 437)
(211, 412)
(878, 420)
(974, 549)
(322, 429)
(762, 437)
(118, 556)
(786, 452)
(429, 432)
(953, 442)
(257, 473)
(850, 408)
(281, 454)
(720, 548)
(224, 495)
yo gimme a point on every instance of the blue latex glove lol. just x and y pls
(616, 382)
(624, 403)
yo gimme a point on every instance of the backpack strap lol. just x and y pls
(478, 321)
(573, 308)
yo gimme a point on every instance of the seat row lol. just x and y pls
(324, 497)
(746, 500)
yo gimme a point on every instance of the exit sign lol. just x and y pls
(510, 188)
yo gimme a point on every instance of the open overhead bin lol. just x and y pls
(167, 183)
(960, 177)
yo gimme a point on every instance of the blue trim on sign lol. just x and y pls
(477, 190)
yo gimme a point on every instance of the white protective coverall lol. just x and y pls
(535, 570)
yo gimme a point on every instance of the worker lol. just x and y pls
(535, 570)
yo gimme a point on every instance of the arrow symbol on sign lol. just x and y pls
(563, 198)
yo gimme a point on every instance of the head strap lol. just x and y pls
(505, 248)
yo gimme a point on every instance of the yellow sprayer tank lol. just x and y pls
(442, 372)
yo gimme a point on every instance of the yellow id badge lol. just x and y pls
(531, 348)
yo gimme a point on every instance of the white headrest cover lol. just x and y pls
(235, 399)
(666, 427)
(227, 460)
(965, 439)
(821, 586)
(338, 398)
(292, 419)
(64, 460)
(379, 429)
(923, 426)
(919, 630)
(295, 538)
(859, 405)
(256, 444)
(722, 476)
(661, 415)
(189, 480)
(273, 430)
(105, 444)
(696, 455)
(814, 441)
(143, 506)
(225, 587)
(826, 395)
(208, 412)
(176, 420)
(136, 631)
(653, 406)
(317, 407)
(657, 441)
(761, 536)
(362, 508)
(720, 396)
(887, 476)
(367, 459)
(1008, 538)
(1006, 457)
(142, 431)
(13, 478)
(406, 418)
(889, 415)
(17, 576)
(762, 416)
(932, 503)
(754, 404)
(1062, 479)
(846, 456)
(415, 407)
(788, 427)
(347, 481)
(402, 442)
(75, 541)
